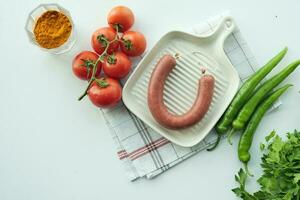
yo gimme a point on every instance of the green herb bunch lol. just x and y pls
(281, 170)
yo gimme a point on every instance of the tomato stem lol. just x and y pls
(102, 82)
(117, 27)
(100, 59)
(86, 90)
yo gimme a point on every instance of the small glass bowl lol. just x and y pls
(33, 17)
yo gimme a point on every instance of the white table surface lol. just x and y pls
(54, 147)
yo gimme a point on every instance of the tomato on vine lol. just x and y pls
(83, 64)
(117, 65)
(133, 43)
(102, 37)
(120, 17)
(105, 92)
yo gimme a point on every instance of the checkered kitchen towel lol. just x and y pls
(144, 152)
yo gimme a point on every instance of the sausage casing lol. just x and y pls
(156, 103)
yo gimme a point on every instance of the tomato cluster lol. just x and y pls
(113, 45)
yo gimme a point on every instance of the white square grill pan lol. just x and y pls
(181, 85)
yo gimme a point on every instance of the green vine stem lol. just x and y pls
(100, 59)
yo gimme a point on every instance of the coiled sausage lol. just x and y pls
(156, 103)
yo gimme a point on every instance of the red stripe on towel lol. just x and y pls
(143, 150)
(148, 148)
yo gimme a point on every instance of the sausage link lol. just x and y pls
(156, 103)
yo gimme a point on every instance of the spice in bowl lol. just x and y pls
(52, 29)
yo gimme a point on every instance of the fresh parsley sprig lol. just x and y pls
(281, 170)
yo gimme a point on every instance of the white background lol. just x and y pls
(53, 147)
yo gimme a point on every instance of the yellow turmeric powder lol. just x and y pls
(52, 29)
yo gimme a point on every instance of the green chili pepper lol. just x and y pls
(247, 110)
(244, 94)
(247, 137)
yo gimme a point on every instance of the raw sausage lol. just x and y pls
(156, 103)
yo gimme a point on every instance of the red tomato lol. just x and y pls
(105, 92)
(100, 38)
(117, 65)
(133, 43)
(122, 17)
(83, 65)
